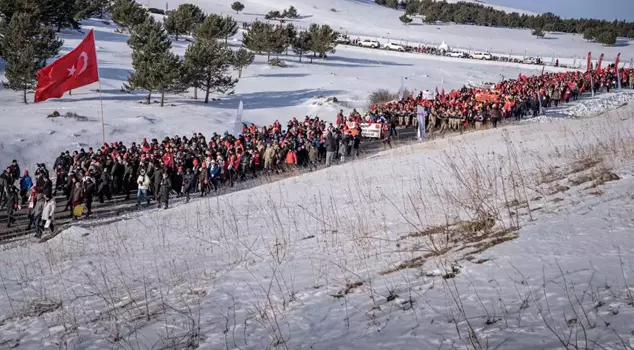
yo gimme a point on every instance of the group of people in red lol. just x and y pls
(513, 98)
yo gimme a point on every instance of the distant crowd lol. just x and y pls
(180, 165)
(477, 108)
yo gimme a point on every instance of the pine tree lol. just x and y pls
(212, 28)
(91, 8)
(208, 66)
(172, 78)
(59, 13)
(27, 44)
(128, 13)
(302, 44)
(229, 28)
(405, 19)
(8, 8)
(607, 37)
(258, 37)
(151, 45)
(322, 39)
(237, 6)
(241, 59)
(184, 20)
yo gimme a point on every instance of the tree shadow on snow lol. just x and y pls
(266, 99)
(366, 61)
(621, 43)
(114, 73)
(282, 75)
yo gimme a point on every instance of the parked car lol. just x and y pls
(482, 56)
(370, 43)
(343, 40)
(530, 60)
(458, 54)
(394, 47)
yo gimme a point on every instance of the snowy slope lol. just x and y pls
(268, 94)
(497, 7)
(339, 259)
(366, 19)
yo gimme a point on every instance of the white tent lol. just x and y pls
(443, 46)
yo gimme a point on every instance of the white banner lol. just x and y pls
(237, 124)
(428, 95)
(421, 114)
(372, 130)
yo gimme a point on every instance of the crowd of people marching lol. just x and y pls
(180, 165)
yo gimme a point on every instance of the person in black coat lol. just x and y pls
(104, 186)
(15, 170)
(12, 205)
(165, 186)
(89, 192)
(189, 181)
(47, 186)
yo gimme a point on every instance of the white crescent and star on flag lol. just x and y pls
(72, 70)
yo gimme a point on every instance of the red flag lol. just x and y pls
(616, 62)
(599, 64)
(589, 61)
(443, 92)
(73, 70)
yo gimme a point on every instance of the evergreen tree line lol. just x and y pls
(602, 31)
(207, 62)
(267, 38)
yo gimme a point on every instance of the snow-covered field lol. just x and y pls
(510, 238)
(352, 257)
(366, 19)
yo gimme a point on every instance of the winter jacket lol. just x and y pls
(47, 188)
(331, 143)
(291, 157)
(188, 182)
(77, 195)
(48, 212)
(203, 176)
(26, 183)
(38, 207)
(166, 187)
(15, 171)
(143, 181)
(214, 171)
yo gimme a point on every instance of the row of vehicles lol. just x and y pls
(375, 44)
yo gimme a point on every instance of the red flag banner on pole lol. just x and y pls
(617, 61)
(73, 70)
(589, 62)
(600, 61)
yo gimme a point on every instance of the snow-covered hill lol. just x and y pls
(497, 7)
(539, 246)
(364, 18)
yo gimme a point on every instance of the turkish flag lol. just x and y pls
(75, 69)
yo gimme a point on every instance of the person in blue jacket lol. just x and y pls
(25, 186)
